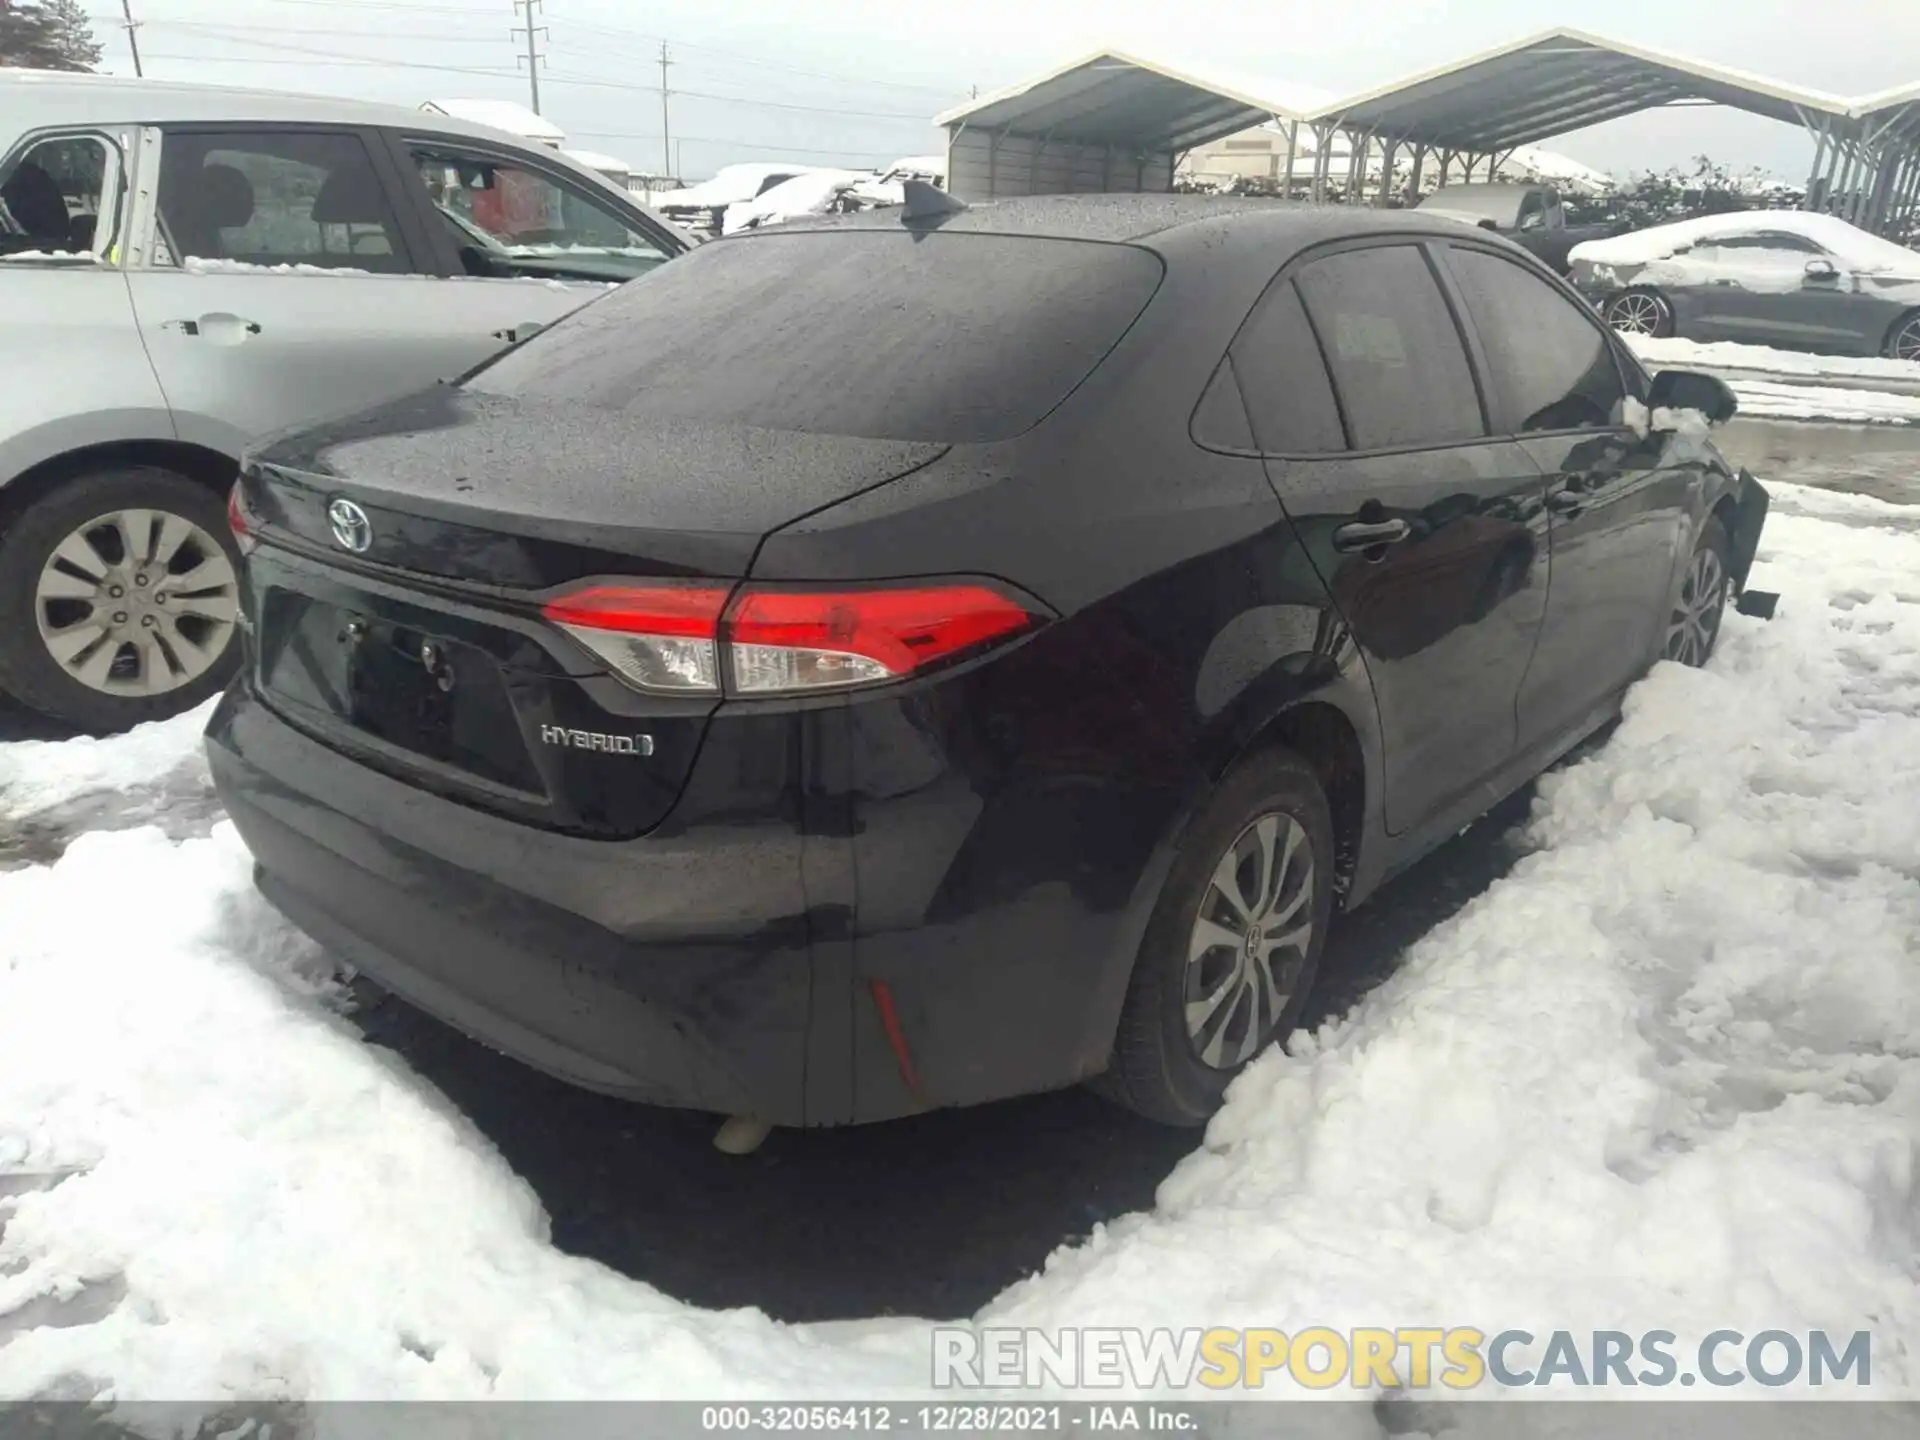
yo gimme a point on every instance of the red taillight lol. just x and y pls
(672, 639)
(237, 520)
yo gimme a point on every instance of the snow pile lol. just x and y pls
(1677, 354)
(210, 265)
(819, 192)
(733, 184)
(1665, 1075)
(1845, 242)
(1760, 399)
(37, 775)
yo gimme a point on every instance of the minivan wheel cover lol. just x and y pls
(1696, 619)
(137, 603)
(1906, 341)
(1250, 941)
(1637, 314)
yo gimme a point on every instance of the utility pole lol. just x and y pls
(533, 55)
(133, 41)
(666, 130)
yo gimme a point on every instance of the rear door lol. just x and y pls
(1621, 501)
(1428, 533)
(282, 283)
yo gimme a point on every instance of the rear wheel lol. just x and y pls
(119, 598)
(1231, 953)
(1693, 627)
(1640, 312)
(1903, 341)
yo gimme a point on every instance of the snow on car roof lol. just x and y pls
(1847, 242)
(508, 115)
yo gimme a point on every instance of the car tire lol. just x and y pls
(1640, 312)
(169, 642)
(1903, 340)
(1173, 1056)
(1693, 621)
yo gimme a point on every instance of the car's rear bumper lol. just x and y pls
(674, 972)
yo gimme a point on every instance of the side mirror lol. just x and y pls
(1691, 390)
(1822, 270)
(1533, 220)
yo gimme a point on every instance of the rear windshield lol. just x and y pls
(892, 335)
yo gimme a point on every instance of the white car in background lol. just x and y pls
(185, 268)
(1785, 278)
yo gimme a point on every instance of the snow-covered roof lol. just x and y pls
(508, 115)
(1112, 95)
(594, 160)
(1836, 236)
(732, 184)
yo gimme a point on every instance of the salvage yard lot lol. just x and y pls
(1664, 1072)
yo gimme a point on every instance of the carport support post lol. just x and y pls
(1293, 146)
(1819, 154)
(1357, 151)
(1413, 177)
(1322, 160)
(1389, 148)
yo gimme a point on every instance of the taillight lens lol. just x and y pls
(237, 520)
(659, 638)
(672, 639)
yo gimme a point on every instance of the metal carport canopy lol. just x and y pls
(1553, 82)
(1111, 97)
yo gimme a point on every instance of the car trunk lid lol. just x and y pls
(407, 629)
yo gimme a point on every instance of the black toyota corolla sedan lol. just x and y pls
(892, 662)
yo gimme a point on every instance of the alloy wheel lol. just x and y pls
(1636, 313)
(1250, 941)
(137, 603)
(1696, 618)
(1905, 344)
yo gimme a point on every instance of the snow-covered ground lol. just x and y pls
(1674, 353)
(1666, 1074)
(1863, 390)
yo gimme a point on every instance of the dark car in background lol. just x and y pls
(909, 661)
(1782, 278)
(1530, 215)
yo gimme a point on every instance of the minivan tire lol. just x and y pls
(1157, 1068)
(28, 672)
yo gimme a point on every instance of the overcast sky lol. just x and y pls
(855, 81)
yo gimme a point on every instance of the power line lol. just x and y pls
(226, 32)
(324, 61)
(560, 79)
(756, 62)
(738, 145)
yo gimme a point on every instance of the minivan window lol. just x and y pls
(889, 334)
(276, 197)
(1550, 364)
(1284, 379)
(1397, 361)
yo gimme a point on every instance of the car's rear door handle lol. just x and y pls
(1365, 534)
(227, 329)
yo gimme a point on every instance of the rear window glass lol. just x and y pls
(894, 336)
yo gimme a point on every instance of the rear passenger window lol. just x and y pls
(1552, 368)
(306, 198)
(1397, 361)
(1288, 396)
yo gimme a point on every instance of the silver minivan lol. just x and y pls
(185, 268)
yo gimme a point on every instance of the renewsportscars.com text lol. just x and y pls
(1401, 1358)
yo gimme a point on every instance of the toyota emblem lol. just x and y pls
(351, 528)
